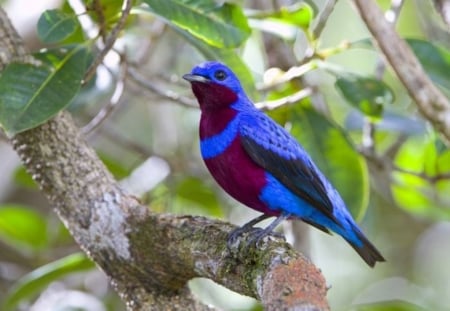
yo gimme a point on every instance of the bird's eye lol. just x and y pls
(220, 75)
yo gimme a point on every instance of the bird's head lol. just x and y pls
(215, 85)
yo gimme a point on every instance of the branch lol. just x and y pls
(433, 105)
(150, 257)
(143, 82)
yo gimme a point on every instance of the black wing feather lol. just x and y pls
(271, 147)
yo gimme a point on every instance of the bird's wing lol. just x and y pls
(271, 147)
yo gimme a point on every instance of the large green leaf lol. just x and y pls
(422, 185)
(35, 281)
(32, 94)
(22, 226)
(332, 152)
(55, 25)
(367, 94)
(222, 26)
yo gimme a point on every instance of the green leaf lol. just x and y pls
(22, 225)
(422, 186)
(194, 196)
(32, 283)
(300, 14)
(22, 178)
(117, 168)
(78, 36)
(369, 95)
(32, 94)
(221, 26)
(55, 26)
(434, 58)
(334, 155)
(111, 12)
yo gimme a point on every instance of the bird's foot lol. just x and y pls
(255, 235)
(233, 237)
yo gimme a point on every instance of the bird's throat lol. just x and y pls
(213, 96)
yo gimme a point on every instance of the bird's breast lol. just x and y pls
(231, 166)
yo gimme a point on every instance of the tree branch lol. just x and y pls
(149, 257)
(433, 105)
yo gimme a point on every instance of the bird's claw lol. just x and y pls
(233, 237)
(256, 235)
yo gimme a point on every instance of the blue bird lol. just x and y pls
(260, 164)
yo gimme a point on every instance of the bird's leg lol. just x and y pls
(269, 229)
(233, 236)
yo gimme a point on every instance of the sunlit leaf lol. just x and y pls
(422, 185)
(32, 94)
(29, 285)
(55, 25)
(22, 226)
(300, 14)
(367, 94)
(221, 26)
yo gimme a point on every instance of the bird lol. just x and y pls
(258, 163)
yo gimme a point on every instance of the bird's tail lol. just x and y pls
(365, 249)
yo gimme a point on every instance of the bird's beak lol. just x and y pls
(196, 78)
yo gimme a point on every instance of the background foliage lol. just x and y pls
(317, 74)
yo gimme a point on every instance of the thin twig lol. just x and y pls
(293, 73)
(323, 18)
(97, 8)
(291, 99)
(369, 130)
(109, 41)
(391, 16)
(112, 104)
(433, 105)
(148, 85)
(423, 175)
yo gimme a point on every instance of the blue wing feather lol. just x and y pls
(271, 147)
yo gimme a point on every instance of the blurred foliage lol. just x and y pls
(391, 168)
(35, 281)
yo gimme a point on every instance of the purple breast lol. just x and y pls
(239, 176)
